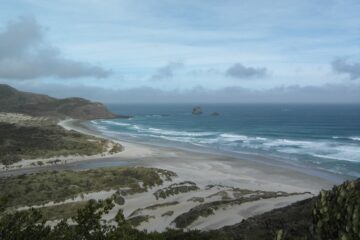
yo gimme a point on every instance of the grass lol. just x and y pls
(136, 221)
(159, 205)
(175, 189)
(63, 211)
(207, 209)
(40, 188)
(167, 214)
(153, 207)
(118, 199)
(196, 199)
(33, 141)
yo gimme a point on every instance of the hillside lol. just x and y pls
(12, 100)
(334, 214)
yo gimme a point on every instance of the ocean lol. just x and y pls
(325, 137)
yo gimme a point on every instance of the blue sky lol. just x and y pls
(191, 49)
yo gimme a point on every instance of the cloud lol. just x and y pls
(342, 66)
(167, 71)
(336, 93)
(24, 54)
(240, 71)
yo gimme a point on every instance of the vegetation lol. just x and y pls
(159, 205)
(29, 142)
(118, 199)
(136, 221)
(116, 148)
(293, 221)
(304, 220)
(196, 199)
(63, 211)
(175, 189)
(88, 226)
(58, 186)
(341, 208)
(333, 215)
(168, 213)
(12, 100)
(153, 207)
(207, 209)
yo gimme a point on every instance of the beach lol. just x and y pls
(225, 173)
(253, 172)
(218, 179)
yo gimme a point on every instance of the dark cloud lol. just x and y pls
(341, 65)
(240, 71)
(167, 71)
(25, 55)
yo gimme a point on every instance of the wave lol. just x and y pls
(163, 132)
(240, 138)
(233, 137)
(115, 123)
(179, 133)
(345, 153)
(321, 149)
(94, 122)
(353, 138)
(157, 115)
(333, 148)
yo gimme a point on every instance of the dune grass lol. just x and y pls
(57, 186)
(19, 141)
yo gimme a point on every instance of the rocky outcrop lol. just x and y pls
(215, 114)
(14, 101)
(197, 110)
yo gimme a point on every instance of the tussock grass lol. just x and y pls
(40, 188)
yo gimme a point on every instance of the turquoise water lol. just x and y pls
(323, 137)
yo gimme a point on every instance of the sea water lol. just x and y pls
(325, 137)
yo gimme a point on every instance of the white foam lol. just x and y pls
(179, 133)
(325, 149)
(355, 138)
(321, 149)
(94, 122)
(115, 123)
(233, 137)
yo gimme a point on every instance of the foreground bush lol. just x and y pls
(336, 213)
(88, 226)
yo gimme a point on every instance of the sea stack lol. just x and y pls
(197, 110)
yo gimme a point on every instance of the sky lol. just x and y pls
(132, 51)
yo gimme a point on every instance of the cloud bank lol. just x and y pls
(240, 71)
(167, 71)
(342, 66)
(234, 94)
(24, 54)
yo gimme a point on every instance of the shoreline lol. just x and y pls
(225, 173)
(249, 171)
(254, 172)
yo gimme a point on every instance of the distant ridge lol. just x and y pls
(12, 100)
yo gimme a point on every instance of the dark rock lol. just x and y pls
(215, 114)
(197, 110)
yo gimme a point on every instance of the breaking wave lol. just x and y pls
(332, 149)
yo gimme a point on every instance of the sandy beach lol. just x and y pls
(249, 171)
(252, 173)
(227, 175)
